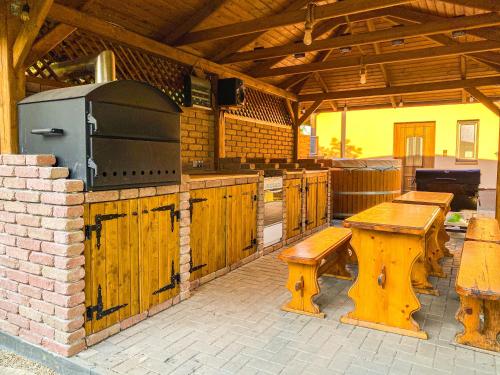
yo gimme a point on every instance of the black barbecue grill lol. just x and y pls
(110, 135)
(464, 184)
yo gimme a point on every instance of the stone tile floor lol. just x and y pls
(234, 325)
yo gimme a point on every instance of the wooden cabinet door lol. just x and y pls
(208, 231)
(241, 222)
(322, 201)
(293, 206)
(111, 263)
(159, 249)
(311, 202)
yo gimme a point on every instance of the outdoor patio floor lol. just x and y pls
(234, 325)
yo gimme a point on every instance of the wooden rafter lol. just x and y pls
(430, 28)
(489, 5)
(384, 58)
(401, 90)
(409, 16)
(463, 75)
(116, 33)
(210, 7)
(247, 39)
(383, 68)
(324, 87)
(54, 37)
(309, 112)
(483, 99)
(29, 31)
(337, 9)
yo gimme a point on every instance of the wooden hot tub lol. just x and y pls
(361, 184)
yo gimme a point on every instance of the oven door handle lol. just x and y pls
(48, 132)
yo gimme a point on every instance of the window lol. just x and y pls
(414, 151)
(467, 141)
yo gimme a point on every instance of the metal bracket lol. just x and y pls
(253, 242)
(191, 202)
(99, 309)
(97, 227)
(191, 267)
(173, 213)
(174, 278)
(92, 165)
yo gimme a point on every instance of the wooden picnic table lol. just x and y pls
(390, 242)
(443, 201)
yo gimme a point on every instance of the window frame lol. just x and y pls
(459, 160)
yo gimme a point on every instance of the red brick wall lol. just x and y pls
(250, 139)
(197, 137)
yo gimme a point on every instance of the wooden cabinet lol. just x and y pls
(293, 206)
(131, 258)
(311, 202)
(322, 199)
(223, 227)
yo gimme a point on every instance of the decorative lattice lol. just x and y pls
(163, 73)
(265, 107)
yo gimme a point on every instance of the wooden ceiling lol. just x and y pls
(430, 64)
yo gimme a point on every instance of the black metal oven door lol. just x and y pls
(122, 163)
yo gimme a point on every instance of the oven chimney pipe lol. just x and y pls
(102, 65)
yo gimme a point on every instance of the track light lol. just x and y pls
(309, 24)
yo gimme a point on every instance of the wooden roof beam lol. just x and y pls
(29, 31)
(408, 16)
(483, 99)
(53, 38)
(210, 7)
(119, 34)
(322, 12)
(430, 28)
(384, 58)
(247, 39)
(324, 87)
(402, 90)
(309, 112)
(489, 5)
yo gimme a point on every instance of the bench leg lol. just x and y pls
(423, 267)
(444, 237)
(303, 284)
(336, 265)
(484, 335)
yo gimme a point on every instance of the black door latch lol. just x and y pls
(97, 227)
(99, 309)
(174, 278)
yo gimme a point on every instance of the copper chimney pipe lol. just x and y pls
(102, 65)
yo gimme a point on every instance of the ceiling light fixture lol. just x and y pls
(458, 33)
(345, 49)
(401, 104)
(398, 42)
(362, 72)
(25, 12)
(309, 24)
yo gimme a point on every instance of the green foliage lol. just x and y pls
(333, 151)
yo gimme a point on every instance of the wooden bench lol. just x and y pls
(478, 285)
(325, 252)
(483, 229)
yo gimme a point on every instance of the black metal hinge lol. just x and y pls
(191, 267)
(173, 213)
(253, 242)
(99, 309)
(97, 227)
(191, 202)
(174, 278)
(255, 197)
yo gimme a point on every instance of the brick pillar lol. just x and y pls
(185, 233)
(41, 253)
(260, 214)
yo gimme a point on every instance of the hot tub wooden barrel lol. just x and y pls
(360, 184)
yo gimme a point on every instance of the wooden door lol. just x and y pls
(111, 263)
(241, 222)
(293, 206)
(208, 231)
(322, 201)
(311, 202)
(414, 144)
(159, 249)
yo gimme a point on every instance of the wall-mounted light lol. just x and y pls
(309, 24)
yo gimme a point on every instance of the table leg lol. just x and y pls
(482, 336)
(303, 285)
(382, 293)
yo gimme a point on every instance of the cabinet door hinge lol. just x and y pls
(191, 202)
(191, 267)
(173, 213)
(99, 309)
(175, 278)
(97, 227)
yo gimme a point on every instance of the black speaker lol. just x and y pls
(230, 92)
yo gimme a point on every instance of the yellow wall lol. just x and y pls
(372, 131)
